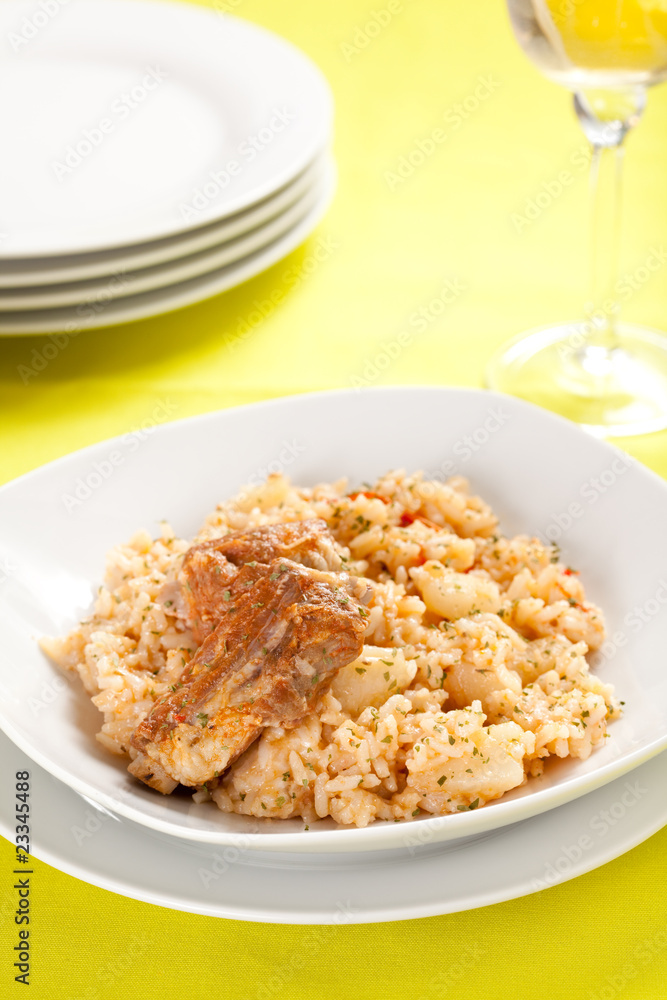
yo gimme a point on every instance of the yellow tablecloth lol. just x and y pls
(449, 148)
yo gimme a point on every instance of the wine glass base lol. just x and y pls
(611, 393)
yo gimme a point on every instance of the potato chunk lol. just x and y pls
(455, 595)
(371, 679)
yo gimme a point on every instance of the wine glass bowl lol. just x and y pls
(606, 375)
(584, 44)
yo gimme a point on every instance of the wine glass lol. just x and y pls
(607, 375)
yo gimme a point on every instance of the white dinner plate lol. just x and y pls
(174, 271)
(132, 120)
(541, 474)
(20, 273)
(421, 880)
(115, 307)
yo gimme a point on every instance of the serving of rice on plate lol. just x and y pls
(472, 674)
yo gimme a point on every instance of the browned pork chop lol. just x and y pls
(209, 568)
(282, 632)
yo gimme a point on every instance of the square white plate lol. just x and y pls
(541, 474)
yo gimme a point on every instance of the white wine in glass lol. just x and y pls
(607, 375)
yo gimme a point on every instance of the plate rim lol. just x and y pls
(172, 298)
(606, 850)
(170, 272)
(205, 236)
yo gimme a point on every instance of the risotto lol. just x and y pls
(473, 670)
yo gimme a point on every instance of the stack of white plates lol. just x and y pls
(156, 154)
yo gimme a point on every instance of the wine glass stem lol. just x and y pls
(606, 117)
(605, 187)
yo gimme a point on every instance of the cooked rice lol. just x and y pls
(474, 669)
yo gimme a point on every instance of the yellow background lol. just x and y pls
(456, 217)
